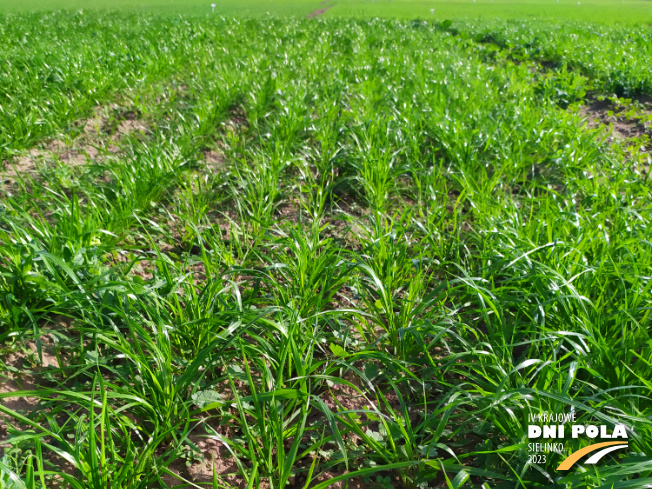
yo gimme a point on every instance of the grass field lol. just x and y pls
(601, 11)
(306, 253)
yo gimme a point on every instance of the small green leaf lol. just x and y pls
(203, 399)
(337, 350)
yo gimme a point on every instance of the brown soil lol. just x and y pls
(237, 118)
(16, 359)
(605, 115)
(216, 458)
(20, 404)
(348, 398)
(28, 379)
(289, 211)
(355, 483)
(214, 159)
(319, 12)
(597, 116)
(23, 165)
(82, 151)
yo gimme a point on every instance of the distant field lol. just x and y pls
(604, 11)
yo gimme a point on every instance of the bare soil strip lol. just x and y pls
(319, 12)
(82, 151)
(601, 112)
(624, 124)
